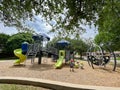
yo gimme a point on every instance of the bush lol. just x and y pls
(16, 40)
(3, 40)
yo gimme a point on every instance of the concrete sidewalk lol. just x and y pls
(52, 84)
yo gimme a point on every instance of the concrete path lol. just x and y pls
(52, 84)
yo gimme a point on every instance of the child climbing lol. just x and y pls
(72, 65)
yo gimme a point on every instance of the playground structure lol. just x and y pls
(60, 59)
(37, 49)
(32, 50)
(22, 57)
(64, 54)
(100, 56)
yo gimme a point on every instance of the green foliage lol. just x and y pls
(3, 40)
(54, 44)
(16, 40)
(103, 37)
(68, 14)
(19, 87)
(118, 58)
(109, 24)
(77, 45)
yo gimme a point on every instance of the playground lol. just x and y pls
(98, 77)
(34, 62)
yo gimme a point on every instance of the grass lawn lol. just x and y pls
(19, 87)
(118, 58)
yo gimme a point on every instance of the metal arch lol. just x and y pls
(94, 58)
(112, 53)
(88, 55)
(102, 59)
(99, 55)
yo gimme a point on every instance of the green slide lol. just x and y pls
(22, 57)
(59, 62)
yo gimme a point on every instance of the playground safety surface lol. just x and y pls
(99, 76)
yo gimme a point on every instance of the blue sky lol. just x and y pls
(40, 26)
(91, 32)
(7, 30)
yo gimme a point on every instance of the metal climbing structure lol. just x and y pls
(33, 49)
(100, 56)
(36, 47)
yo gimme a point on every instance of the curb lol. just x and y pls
(51, 84)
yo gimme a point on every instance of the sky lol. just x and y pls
(40, 26)
(91, 32)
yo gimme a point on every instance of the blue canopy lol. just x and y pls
(45, 37)
(41, 36)
(63, 42)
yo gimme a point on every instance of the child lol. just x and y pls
(81, 65)
(71, 65)
(77, 65)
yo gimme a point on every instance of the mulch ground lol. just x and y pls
(99, 76)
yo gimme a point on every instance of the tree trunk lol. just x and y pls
(80, 55)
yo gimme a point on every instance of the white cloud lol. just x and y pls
(7, 30)
(90, 32)
(40, 26)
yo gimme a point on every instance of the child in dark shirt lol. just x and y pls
(72, 65)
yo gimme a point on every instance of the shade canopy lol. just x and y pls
(41, 36)
(63, 42)
(45, 37)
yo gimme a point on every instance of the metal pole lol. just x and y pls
(39, 57)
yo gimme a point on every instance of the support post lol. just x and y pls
(39, 57)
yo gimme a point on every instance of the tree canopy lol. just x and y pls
(109, 24)
(68, 14)
(77, 45)
(16, 40)
(3, 40)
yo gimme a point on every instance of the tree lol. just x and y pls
(103, 37)
(109, 24)
(79, 46)
(16, 40)
(68, 14)
(3, 40)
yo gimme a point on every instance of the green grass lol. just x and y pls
(19, 87)
(118, 58)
